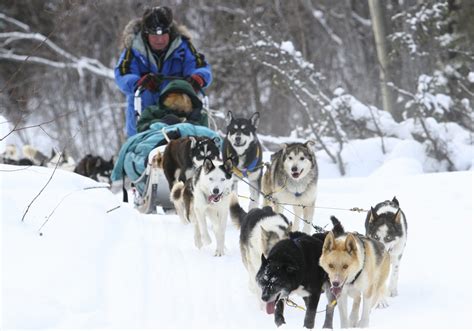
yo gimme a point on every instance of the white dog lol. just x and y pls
(205, 195)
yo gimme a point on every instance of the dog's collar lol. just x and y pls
(251, 167)
(363, 265)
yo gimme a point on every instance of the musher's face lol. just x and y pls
(158, 42)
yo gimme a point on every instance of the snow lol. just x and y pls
(98, 266)
(470, 77)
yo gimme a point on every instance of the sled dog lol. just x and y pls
(292, 266)
(242, 146)
(387, 224)
(34, 155)
(292, 178)
(205, 195)
(183, 155)
(358, 267)
(260, 230)
(10, 156)
(63, 161)
(95, 167)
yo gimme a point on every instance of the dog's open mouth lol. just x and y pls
(336, 291)
(270, 306)
(296, 174)
(214, 197)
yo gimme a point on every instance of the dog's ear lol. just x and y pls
(229, 117)
(398, 216)
(328, 242)
(207, 165)
(283, 148)
(309, 143)
(395, 202)
(193, 141)
(351, 244)
(264, 260)
(373, 214)
(98, 163)
(255, 119)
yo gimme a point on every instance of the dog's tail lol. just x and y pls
(337, 228)
(237, 213)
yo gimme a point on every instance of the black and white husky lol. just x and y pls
(387, 224)
(260, 230)
(291, 179)
(205, 195)
(242, 146)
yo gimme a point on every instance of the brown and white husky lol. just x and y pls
(358, 267)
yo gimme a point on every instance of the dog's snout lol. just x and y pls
(238, 139)
(294, 169)
(215, 190)
(336, 284)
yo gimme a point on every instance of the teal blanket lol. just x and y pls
(133, 155)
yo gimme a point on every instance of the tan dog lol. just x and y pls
(179, 102)
(357, 267)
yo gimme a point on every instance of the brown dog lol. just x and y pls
(183, 155)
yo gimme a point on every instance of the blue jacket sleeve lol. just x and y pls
(127, 72)
(195, 63)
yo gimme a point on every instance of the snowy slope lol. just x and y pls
(97, 269)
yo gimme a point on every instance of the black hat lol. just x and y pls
(157, 20)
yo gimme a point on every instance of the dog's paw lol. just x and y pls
(393, 292)
(363, 323)
(309, 324)
(279, 320)
(219, 252)
(382, 304)
(198, 242)
(353, 322)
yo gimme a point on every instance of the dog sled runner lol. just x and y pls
(139, 159)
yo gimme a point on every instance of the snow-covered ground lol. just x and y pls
(99, 267)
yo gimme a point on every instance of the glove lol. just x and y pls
(149, 82)
(196, 82)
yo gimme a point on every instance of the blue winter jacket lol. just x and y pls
(136, 60)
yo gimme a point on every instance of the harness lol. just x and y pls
(250, 168)
(363, 265)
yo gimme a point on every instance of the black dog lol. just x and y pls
(95, 167)
(183, 155)
(293, 265)
(242, 146)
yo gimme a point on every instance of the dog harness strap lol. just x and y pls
(363, 265)
(251, 167)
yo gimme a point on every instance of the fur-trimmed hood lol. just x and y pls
(134, 27)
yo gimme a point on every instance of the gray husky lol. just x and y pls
(260, 230)
(387, 224)
(291, 179)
